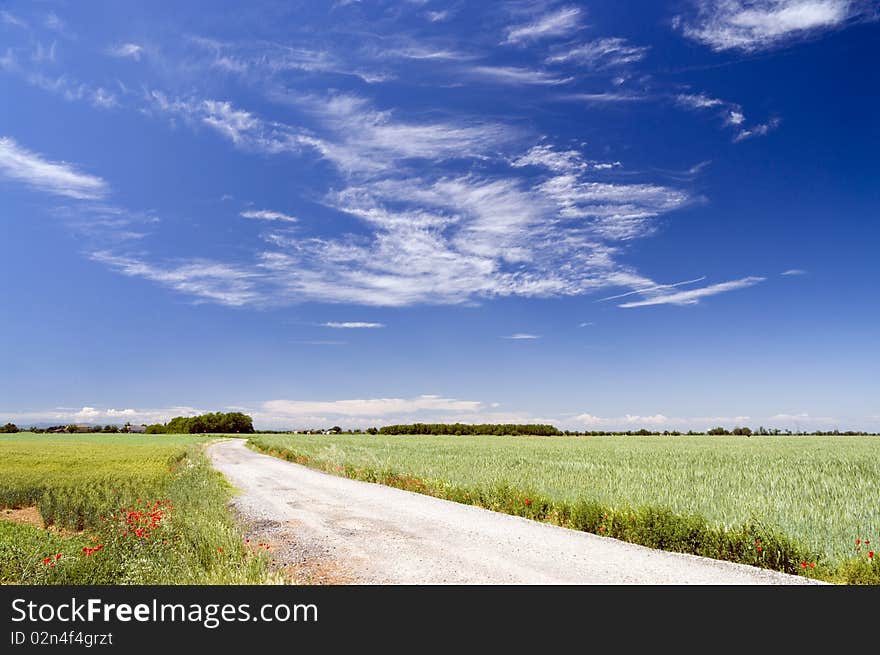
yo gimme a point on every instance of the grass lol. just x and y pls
(779, 502)
(98, 497)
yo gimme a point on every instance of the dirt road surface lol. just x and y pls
(324, 529)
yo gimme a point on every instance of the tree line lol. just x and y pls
(238, 423)
(514, 429)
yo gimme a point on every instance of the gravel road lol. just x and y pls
(325, 529)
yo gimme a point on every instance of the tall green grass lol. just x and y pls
(89, 483)
(814, 495)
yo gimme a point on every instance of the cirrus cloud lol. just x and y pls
(60, 178)
(750, 25)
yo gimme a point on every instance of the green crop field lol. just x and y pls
(821, 492)
(118, 509)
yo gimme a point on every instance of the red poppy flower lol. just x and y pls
(812, 565)
(803, 565)
(58, 556)
(858, 541)
(870, 553)
(760, 549)
(528, 501)
(47, 560)
(219, 550)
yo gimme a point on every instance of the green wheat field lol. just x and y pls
(118, 509)
(821, 491)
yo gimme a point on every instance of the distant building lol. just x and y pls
(84, 428)
(138, 428)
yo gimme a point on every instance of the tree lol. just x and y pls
(213, 422)
(9, 428)
(718, 431)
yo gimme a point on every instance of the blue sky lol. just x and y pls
(602, 214)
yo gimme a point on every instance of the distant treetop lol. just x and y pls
(464, 428)
(212, 422)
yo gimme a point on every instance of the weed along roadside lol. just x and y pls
(752, 541)
(119, 510)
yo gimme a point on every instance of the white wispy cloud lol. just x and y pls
(627, 421)
(267, 59)
(698, 101)
(606, 97)
(448, 238)
(435, 237)
(656, 287)
(731, 114)
(517, 75)
(600, 53)
(104, 225)
(562, 22)
(368, 407)
(54, 22)
(522, 336)
(65, 86)
(60, 178)
(751, 25)
(361, 139)
(618, 211)
(559, 161)
(438, 16)
(43, 53)
(268, 215)
(209, 280)
(794, 271)
(11, 19)
(352, 325)
(101, 97)
(586, 324)
(693, 296)
(126, 50)
(803, 417)
(426, 53)
(243, 128)
(757, 130)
